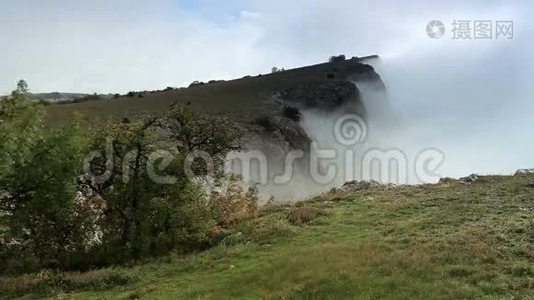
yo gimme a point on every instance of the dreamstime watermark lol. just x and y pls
(347, 158)
(472, 29)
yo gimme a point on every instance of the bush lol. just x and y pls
(265, 230)
(49, 282)
(292, 113)
(232, 203)
(338, 58)
(303, 215)
(196, 83)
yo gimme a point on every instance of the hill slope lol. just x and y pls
(242, 99)
(452, 240)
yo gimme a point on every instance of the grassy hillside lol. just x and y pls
(241, 99)
(451, 240)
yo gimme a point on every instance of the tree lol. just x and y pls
(49, 184)
(215, 137)
(37, 179)
(143, 215)
(22, 87)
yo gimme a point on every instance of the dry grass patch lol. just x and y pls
(304, 215)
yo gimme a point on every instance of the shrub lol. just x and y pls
(265, 230)
(338, 58)
(196, 83)
(232, 203)
(49, 282)
(292, 113)
(303, 215)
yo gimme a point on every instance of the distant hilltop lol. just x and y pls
(57, 96)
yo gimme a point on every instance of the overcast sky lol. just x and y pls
(117, 46)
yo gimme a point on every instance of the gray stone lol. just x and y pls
(524, 172)
(470, 179)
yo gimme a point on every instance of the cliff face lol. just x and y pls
(326, 95)
(282, 129)
(336, 92)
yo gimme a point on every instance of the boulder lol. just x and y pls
(470, 179)
(524, 172)
(358, 185)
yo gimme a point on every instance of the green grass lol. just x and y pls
(445, 241)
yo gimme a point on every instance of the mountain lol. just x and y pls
(241, 99)
(269, 108)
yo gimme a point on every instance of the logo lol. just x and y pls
(435, 29)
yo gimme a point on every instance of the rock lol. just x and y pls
(231, 267)
(470, 179)
(530, 184)
(524, 172)
(390, 186)
(284, 131)
(327, 204)
(334, 190)
(356, 185)
(327, 95)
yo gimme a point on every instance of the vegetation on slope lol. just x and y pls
(452, 240)
(74, 199)
(241, 99)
